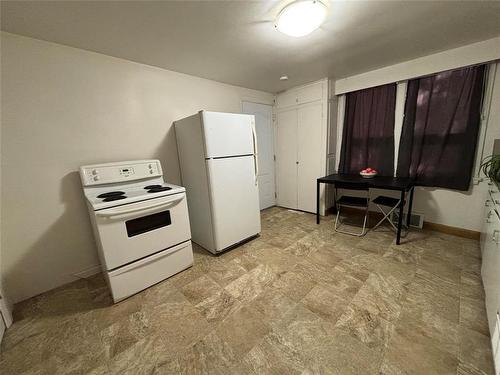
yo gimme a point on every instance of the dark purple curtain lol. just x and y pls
(440, 128)
(368, 135)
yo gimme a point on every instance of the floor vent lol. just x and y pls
(416, 219)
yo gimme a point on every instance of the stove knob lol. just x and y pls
(94, 172)
(150, 166)
(151, 171)
(96, 178)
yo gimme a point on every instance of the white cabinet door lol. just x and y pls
(490, 267)
(286, 99)
(310, 93)
(286, 158)
(488, 208)
(265, 151)
(310, 154)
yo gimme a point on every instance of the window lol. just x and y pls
(368, 134)
(440, 128)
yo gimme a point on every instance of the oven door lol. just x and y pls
(133, 231)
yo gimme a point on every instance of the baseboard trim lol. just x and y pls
(442, 228)
(88, 272)
(455, 231)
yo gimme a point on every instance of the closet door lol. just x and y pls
(286, 158)
(310, 154)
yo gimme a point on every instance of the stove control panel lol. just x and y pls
(127, 172)
(119, 172)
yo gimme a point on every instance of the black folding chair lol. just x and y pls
(351, 201)
(392, 203)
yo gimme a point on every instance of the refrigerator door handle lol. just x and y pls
(256, 164)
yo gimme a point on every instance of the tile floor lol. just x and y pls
(300, 299)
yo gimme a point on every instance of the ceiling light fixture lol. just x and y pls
(301, 17)
(283, 78)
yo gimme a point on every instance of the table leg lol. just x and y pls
(400, 219)
(410, 205)
(317, 202)
(335, 208)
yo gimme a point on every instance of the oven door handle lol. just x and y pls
(125, 211)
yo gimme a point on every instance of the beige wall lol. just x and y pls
(62, 108)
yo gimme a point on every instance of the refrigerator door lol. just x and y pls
(228, 134)
(234, 199)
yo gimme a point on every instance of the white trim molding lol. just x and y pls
(482, 150)
(340, 129)
(91, 271)
(399, 115)
(471, 54)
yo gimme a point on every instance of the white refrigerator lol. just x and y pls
(218, 160)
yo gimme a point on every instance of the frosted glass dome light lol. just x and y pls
(301, 17)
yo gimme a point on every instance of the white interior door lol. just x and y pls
(310, 154)
(286, 158)
(265, 151)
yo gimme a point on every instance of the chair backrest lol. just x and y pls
(351, 185)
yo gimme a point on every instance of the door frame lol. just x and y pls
(273, 135)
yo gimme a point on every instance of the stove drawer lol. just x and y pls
(134, 231)
(132, 278)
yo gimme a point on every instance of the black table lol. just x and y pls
(401, 184)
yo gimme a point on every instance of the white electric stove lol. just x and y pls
(140, 223)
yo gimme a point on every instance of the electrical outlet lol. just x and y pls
(477, 180)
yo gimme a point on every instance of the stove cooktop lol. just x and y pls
(120, 195)
(111, 194)
(158, 189)
(114, 198)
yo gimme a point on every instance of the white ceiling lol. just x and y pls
(236, 42)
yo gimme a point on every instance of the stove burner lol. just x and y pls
(152, 187)
(158, 189)
(114, 198)
(111, 194)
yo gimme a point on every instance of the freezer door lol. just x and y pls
(234, 198)
(228, 134)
